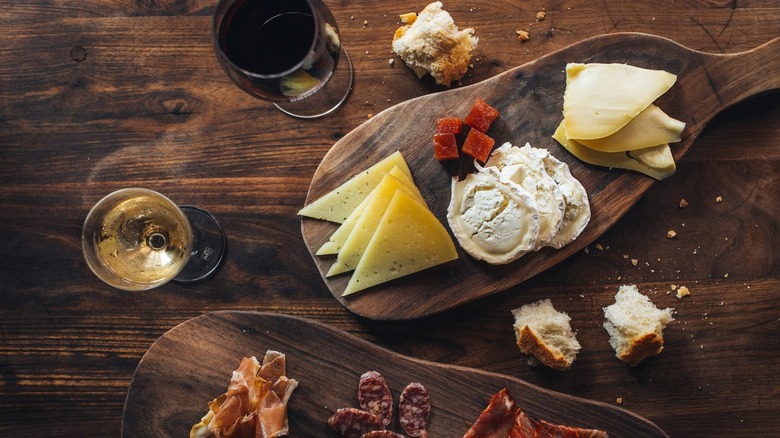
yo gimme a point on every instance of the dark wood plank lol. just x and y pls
(192, 362)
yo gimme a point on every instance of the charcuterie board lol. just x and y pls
(192, 363)
(529, 99)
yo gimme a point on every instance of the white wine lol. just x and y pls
(136, 239)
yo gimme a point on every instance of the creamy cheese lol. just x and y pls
(602, 98)
(336, 205)
(521, 167)
(493, 219)
(577, 212)
(656, 161)
(651, 127)
(408, 239)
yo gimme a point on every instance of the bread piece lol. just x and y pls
(635, 325)
(546, 334)
(433, 44)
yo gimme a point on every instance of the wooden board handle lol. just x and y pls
(735, 77)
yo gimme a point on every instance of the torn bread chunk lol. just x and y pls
(635, 325)
(546, 334)
(433, 44)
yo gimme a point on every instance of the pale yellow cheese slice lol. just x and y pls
(336, 205)
(409, 238)
(602, 98)
(655, 161)
(651, 127)
(337, 239)
(355, 244)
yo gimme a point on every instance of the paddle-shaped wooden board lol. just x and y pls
(192, 364)
(530, 101)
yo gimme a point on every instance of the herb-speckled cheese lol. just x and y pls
(336, 205)
(408, 239)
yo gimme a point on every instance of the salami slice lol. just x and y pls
(375, 397)
(382, 434)
(354, 422)
(414, 407)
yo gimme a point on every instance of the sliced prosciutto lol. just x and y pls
(255, 403)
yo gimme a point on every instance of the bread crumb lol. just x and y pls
(634, 262)
(683, 203)
(522, 35)
(719, 199)
(600, 247)
(391, 61)
(619, 400)
(540, 15)
(682, 292)
(674, 287)
(408, 18)
(671, 234)
(368, 116)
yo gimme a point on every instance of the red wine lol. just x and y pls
(277, 50)
(268, 37)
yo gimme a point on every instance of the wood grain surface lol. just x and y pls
(98, 95)
(529, 100)
(191, 365)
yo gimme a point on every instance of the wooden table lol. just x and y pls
(100, 95)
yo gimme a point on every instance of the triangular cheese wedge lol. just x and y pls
(655, 161)
(409, 238)
(337, 239)
(336, 205)
(651, 127)
(602, 98)
(365, 225)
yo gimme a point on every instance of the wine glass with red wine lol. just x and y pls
(285, 51)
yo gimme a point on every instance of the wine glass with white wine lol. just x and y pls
(137, 239)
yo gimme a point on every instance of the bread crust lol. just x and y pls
(642, 347)
(530, 343)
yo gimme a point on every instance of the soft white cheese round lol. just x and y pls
(577, 213)
(493, 219)
(525, 169)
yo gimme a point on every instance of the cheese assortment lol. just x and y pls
(609, 118)
(524, 199)
(386, 232)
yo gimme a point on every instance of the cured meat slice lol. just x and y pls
(375, 397)
(354, 422)
(414, 407)
(527, 427)
(558, 431)
(496, 419)
(255, 403)
(382, 434)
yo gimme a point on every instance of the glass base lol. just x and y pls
(208, 246)
(328, 98)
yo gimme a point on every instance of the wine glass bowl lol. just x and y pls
(287, 52)
(136, 239)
